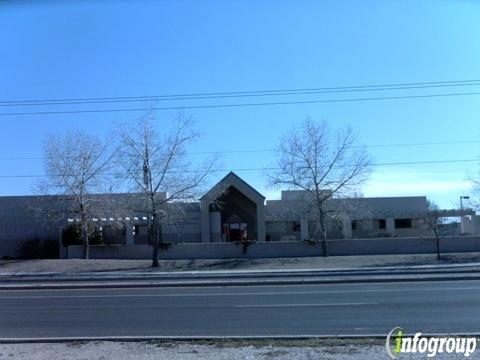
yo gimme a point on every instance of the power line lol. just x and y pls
(425, 143)
(452, 142)
(453, 82)
(291, 92)
(427, 162)
(240, 104)
(356, 146)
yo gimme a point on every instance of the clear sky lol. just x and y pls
(79, 49)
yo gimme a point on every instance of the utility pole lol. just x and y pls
(146, 181)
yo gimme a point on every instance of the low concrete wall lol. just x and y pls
(380, 246)
(10, 248)
(199, 251)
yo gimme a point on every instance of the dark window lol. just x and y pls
(354, 225)
(382, 224)
(403, 223)
(296, 226)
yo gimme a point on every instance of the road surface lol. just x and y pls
(339, 309)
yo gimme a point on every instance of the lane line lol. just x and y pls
(305, 305)
(396, 286)
(271, 293)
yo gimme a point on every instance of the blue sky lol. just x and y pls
(84, 49)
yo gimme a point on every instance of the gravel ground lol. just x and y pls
(187, 351)
(74, 265)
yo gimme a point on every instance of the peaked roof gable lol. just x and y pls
(234, 219)
(232, 179)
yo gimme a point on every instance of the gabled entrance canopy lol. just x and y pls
(232, 196)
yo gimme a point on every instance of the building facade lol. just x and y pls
(231, 211)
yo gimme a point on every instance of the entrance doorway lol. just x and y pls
(235, 229)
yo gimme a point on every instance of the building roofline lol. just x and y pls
(237, 177)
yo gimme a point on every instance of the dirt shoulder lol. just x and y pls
(367, 349)
(233, 350)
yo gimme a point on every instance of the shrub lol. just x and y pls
(38, 248)
(164, 246)
(72, 235)
(245, 244)
(310, 242)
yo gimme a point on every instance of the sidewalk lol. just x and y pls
(117, 274)
(72, 266)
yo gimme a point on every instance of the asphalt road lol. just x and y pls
(340, 309)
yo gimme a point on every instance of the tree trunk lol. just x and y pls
(155, 240)
(84, 234)
(86, 245)
(323, 231)
(153, 229)
(321, 234)
(437, 238)
(324, 238)
(149, 228)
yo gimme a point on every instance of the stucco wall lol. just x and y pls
(21, 220)
(286, 248)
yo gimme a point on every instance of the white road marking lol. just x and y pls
(304, 305)
(266, 293)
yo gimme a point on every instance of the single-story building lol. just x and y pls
(231, 211)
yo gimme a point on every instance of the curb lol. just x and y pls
(424, 267)
(101, 285)
(131, 277)
(213, 338)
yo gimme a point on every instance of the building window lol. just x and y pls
(296, 226)
(382, 224)
(403, 223)
(354, 225)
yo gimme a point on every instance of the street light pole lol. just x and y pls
(461, 201)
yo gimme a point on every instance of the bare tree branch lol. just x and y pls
(157, 165)
(76, 166)
(323, 163)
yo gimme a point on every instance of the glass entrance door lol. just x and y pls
(235, 231)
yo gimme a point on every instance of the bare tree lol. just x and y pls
(475, 199)
(322, 162)
(76, 166)
(431, 221)
(158, 166)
